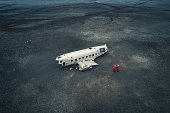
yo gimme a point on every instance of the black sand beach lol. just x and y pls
(137, 34)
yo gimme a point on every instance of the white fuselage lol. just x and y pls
(81, 55)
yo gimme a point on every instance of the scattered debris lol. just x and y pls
(28, 41)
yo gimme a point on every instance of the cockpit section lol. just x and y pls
(102, 50)
(59, 60)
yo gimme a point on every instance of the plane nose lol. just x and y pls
(56, 59)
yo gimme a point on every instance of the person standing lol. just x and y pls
(118, 68)
(114, 68)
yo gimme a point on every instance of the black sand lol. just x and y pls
(138, 39)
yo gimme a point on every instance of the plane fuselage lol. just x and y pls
(75, 57)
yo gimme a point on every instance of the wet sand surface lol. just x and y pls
(138, 39)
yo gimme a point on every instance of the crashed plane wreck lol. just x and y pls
(84, 59)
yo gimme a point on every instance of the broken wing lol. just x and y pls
(87, 64)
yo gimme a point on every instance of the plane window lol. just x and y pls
(71, 60)
(86, 56)
(75, 59)
(79, 58)
(96, 54)
(83, 57)
(60, 61)
(63, 63)
(92, 54)
(89, 55)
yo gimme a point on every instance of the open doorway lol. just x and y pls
(64, 63)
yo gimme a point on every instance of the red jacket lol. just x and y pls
(114, 67)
